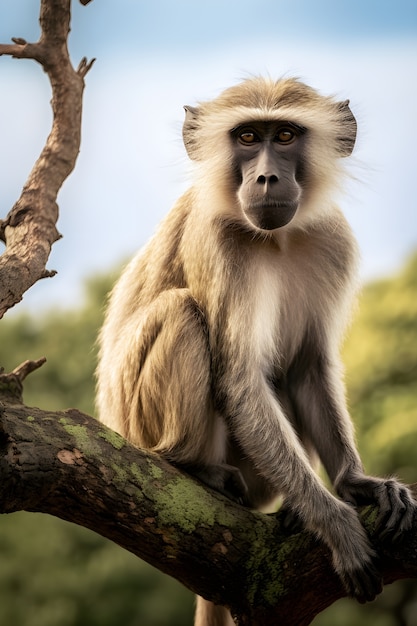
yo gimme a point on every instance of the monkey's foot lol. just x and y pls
(227, 479)
(290, 520)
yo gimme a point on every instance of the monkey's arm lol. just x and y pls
(319, 400)
(266, 437)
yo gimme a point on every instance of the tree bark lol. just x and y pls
(29, 230)
(69, 465)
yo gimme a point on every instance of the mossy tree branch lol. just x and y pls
(69, 465)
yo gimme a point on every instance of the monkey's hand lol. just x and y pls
(395, 502)
(354, 558)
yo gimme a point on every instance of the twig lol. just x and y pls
(27, 367)
(11, 385)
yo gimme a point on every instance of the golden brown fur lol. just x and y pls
(220, 345)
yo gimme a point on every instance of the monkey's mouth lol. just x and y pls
(269, 214)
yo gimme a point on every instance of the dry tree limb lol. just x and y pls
(11, 385)
(29, 230)
(27, 367)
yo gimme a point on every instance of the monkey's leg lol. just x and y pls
(173, 406)
(170, 399)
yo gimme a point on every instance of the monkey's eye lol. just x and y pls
(285, 135)
(247, 137)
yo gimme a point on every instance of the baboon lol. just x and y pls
(220, 348)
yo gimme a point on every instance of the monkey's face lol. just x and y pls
(268, 160)
(267, 153)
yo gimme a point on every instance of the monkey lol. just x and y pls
(220, 346)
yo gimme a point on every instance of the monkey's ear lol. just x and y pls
(347, 140)
(189, 131)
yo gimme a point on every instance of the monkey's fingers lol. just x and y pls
(408, 516)
(227, 479)
(363, 584)
(290, 520)
(234, 485)
(396, 510)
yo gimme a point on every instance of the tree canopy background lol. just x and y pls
(52, 572)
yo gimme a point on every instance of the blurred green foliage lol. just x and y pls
(56, 574)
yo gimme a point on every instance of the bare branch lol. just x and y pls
(27, 367)
(29, 230)
(11, 385)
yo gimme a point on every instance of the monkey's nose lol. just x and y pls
(269, 180)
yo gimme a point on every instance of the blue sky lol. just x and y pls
(153, 57)
(186, 24)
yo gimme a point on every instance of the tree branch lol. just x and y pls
(29, 230)
(71, 466)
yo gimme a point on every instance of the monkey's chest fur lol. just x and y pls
(264, 299)
(266, 305)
